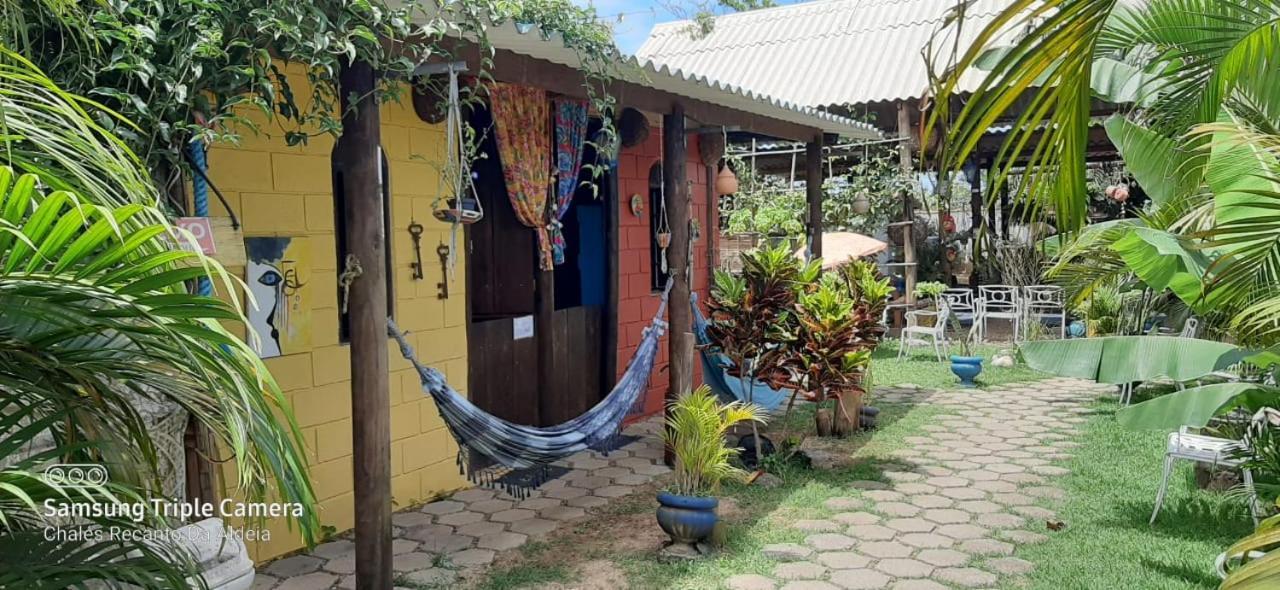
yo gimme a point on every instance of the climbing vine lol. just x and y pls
(187, 69)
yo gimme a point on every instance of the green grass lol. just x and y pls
(921, 367)
(1110, 494)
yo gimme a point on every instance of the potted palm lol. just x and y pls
(697, 424)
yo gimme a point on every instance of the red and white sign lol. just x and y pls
(202, 231)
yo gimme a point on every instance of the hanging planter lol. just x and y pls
(467, 213)
(664, 239)
(726, 182)
(861, 203)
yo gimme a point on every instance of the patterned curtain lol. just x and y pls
(520, 115)
(571, 130)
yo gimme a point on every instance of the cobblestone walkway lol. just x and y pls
(978, 484)
(437, 543)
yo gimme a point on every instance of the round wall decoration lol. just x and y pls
(637, 205)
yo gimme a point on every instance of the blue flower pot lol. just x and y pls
(687, 519)
(966, 368)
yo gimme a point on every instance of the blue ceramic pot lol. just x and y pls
(687, 519)
(966, 368)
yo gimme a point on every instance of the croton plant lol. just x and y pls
(791, 325)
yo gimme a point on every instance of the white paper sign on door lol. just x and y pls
(522, 327)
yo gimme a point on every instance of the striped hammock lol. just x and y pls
(510, 447)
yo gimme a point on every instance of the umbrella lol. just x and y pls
(842, 246)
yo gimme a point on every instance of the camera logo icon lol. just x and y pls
(75, 475)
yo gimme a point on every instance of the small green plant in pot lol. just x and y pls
(930, 291)
(697, 424)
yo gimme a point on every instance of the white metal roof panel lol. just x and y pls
(828, 52)
(681, 82)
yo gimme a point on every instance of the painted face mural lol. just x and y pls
(280, 313)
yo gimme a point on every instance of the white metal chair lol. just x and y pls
(961, 303)
(1190, 328)
(915, 334)
(1041, 302)
(1203, 449)
(1001, 302)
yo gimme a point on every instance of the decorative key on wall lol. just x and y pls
(443, 252)
(415, 231)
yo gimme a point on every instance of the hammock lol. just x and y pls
(727, 386)
(513, 446)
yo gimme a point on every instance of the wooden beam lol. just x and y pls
(367, 309)
(680, 316)
(908, 202)
(813, 192)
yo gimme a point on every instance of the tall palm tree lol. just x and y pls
(96, 313)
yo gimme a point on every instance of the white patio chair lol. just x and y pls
(961, 303)
(1203, 449)
(1190, 328)
(1041, 302)
(915, 334)
(1000, 302)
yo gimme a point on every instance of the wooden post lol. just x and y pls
(544, 333)
(1005, 210)
(680, 316)
(813, 192)
(712, 228)
(367, 310)
(908, 202)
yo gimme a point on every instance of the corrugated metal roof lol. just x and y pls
(683, 83)
(829, 52)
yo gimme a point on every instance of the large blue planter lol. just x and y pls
(687, 519)
(966, 368)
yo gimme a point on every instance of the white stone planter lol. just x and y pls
(224, 560)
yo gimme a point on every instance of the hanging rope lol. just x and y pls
(457, 169)
(664, 227)
(351, 271)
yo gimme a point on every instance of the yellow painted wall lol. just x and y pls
(277, 190)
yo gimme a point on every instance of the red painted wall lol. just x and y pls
(637, 302)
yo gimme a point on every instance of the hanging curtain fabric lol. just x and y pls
(571, 131)
(520, 115)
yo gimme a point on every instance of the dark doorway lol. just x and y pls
(502, 269)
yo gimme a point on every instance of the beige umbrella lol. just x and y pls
(842, 246)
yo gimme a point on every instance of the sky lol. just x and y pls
(632, 19)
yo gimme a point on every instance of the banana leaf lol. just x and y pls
(1156, 162)
(1165, 261)
(1125, 359)
(1195, 406)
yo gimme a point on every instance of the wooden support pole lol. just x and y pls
(367, 311)
(813, 192)
(978, 223)
(674, 186)
(908, 202)
(544, 334)
(1005, 210)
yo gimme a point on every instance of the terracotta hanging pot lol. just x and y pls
(726, 182)
(861, 203)
(664, 239)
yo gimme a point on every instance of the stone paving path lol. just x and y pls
(437, 543)
(977, 485)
